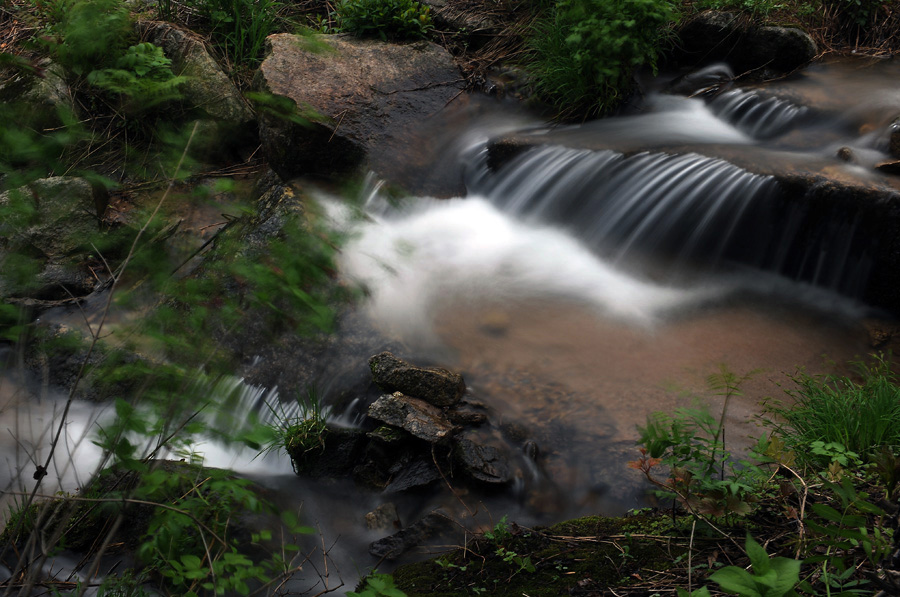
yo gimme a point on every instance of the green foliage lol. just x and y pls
(304, 437)
(585, 52)
(89, 34)
(690, 443)
(837, 413)
(142, 73)
(771, 577)
(378, 585)
(387, 19)
(757, 8)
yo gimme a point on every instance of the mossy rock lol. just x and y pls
(581, 556)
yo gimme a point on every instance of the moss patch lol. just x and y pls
(577, 557)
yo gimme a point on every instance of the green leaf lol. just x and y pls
(758, 556)
(736, 580)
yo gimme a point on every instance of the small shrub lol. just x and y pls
(143, 74)
(387, 19)
(585, 52)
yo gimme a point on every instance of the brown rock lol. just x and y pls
(419, 418)
(431, 384)
(360, 94)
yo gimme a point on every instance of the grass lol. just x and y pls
(862, 414)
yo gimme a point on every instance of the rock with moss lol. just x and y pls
(415, 416)
(224, 116)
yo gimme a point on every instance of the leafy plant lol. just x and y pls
(585, 52)
(378, 585)
(387, 19)
(691, 444)
(771, 577)
(143, 74)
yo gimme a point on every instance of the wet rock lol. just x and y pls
(712, 76)
(335, 456)
(391, 548)
(417, 470)
(383, 518)
(359, 95)
(714, 36)
(891, 167)
(431, 384)
(482, 462)
(467, 417)
(419, 418)
(845, 154)
(894, 139)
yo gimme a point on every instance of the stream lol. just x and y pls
(599, 275)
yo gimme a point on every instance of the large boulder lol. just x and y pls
(432, 384)
(360, 97)
(714, 36)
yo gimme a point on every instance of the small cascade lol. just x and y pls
(687, 205)
(757, 116)
(688, 209)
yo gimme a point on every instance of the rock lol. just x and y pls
(383, 518)
(419, 418)
(44, 91)
(467, 417)
(418, 470)
(713, 76)
(225, 116)
(721, 36)
(894, 143)
(63, 218)
(845, 154)
(391, 548)
(336, 457)
(891, 167)
(482, 462)
(361, 95)
(432, 384)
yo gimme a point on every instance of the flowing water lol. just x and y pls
(599, 276)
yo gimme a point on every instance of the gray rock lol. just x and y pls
(391, 548)
(43, 90)
(64, 217)
(207, 88)
(419, 418)
(361, 96)
(432, 384)
(339, 453)
(483, 462)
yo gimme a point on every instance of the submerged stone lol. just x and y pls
(432, 384)
(391, 548)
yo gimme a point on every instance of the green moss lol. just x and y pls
(587, 554)
(305, 442)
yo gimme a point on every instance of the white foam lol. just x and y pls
(464, 249)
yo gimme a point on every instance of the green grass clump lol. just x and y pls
(860, 415)
(585, 52)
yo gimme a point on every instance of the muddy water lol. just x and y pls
(579, 384)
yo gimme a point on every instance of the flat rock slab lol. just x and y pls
(432, 384)
(419, 418)
(365, 95)
(391, 548)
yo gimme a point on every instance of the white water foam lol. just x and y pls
(464, 249)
